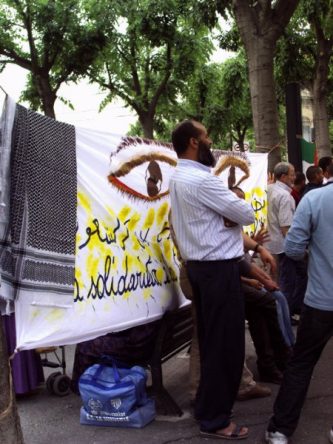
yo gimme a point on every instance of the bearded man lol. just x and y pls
(200, 204)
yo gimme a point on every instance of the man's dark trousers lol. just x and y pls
(293, 281)
(220, 312)
(314, 331)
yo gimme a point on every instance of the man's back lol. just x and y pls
(311, 186)
(313, 227)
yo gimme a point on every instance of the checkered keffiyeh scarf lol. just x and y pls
(37, 250)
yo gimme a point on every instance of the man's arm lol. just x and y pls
(259, 274)
(252, 283)
(265, 255)
(250, 270)
(286, 213)
(299, 234)
(215, 195)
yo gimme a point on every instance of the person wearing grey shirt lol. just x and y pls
(310, 231)
(280, 213)
(200, 203)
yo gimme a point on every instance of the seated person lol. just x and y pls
(265, 284)
(261, 314)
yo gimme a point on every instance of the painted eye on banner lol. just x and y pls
(141, 175)
(232, 162)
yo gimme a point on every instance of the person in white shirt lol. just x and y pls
(200, 202)
(292, 277)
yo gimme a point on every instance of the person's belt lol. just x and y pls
(234, 259)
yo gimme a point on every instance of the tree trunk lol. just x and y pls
(48, 97)
(320, 115)
(147, 123)
(10, 426)
(240, 138)
(260, 25)
(263, 99)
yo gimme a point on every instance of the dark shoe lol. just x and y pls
(274, 376)
(256, 391)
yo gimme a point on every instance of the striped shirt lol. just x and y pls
(199, 201)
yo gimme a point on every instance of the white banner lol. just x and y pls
(126, 266)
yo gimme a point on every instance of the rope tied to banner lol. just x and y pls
(269, 149)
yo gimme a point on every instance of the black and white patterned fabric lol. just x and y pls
(37, 251)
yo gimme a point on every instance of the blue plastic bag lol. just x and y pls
(115, 396)
(138, 418)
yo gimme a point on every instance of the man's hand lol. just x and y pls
(264, 278)
(254, 283)
(269, 284)
(262, 236)
(265, 255)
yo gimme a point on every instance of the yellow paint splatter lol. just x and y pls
(84, 201)
(135, 218)
(92, 264)
(130, 262)
(167, 249)
(125, 211)
(149, 221)
(126, 295)
(160, 274)
(162, 213)
(146, 294)
(35, 313)
(135, 243)
(106, 307)
(55, 314)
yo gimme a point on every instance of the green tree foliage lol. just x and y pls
(219, 96)
(304, 56)
(153, 48)
(53, 40)
(236, 100)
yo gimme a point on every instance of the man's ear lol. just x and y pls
(194, 142)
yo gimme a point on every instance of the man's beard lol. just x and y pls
(205, 155)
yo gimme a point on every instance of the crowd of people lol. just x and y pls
(207, 222)
(227, 286)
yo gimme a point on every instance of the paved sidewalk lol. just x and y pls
(48, 419)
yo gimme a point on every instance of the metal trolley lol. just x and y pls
(57, 383)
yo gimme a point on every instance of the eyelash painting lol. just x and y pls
(153, 176)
